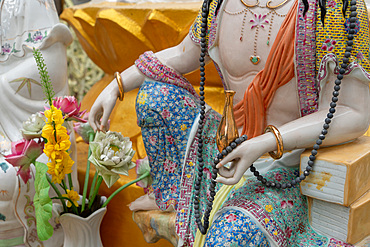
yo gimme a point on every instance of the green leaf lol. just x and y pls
(42, 202)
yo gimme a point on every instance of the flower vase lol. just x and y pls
(79, 231)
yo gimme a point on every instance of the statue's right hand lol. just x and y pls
(103, 106)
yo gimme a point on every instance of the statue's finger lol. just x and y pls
(230, 157)
(226, 172)
(92, 119)
(227, 181)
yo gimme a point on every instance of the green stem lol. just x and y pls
(93, 185)
(74, 208)
(100, 180)
(63, 185)
(146, 174)
(56, 191)
(87, 174)
(70, 181)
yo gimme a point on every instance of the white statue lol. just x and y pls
(283, 75)
(26, 24)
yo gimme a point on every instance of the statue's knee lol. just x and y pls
(233, 228)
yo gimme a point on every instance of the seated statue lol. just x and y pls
(283, 58)
(26, 24)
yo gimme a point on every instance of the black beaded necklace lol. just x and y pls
(204, 227)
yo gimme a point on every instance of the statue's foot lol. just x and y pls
(157, 224)
(143, 203)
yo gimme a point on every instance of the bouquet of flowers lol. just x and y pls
(46, 133)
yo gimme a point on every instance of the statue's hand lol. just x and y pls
(241, 159)
(103, 106)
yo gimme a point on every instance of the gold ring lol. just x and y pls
(118, 77)
(279, 142)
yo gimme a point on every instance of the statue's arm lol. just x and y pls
(183, 58)
(350, 121)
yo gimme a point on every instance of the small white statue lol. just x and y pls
(24, 25)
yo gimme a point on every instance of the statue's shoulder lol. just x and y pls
(332, 31)
(195, 29)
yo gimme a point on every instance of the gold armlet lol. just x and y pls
(279, 142)
(118, 77)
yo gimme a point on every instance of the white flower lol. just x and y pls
(32, 127)
(111, 153)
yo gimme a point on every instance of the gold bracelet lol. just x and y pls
(118, 77)
(279, 142)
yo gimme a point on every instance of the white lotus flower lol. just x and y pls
(111, 153)
(32, 127)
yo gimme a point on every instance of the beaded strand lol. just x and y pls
(203, 227)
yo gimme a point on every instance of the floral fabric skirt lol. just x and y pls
(255, 215)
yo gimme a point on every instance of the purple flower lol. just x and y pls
(6, 48)
(37, 36)
(259, 21)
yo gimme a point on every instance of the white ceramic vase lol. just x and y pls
(80, 232)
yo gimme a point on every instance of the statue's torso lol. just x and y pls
(27, 83)
(238, 43)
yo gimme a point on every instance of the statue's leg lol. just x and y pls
(234, 228)
(144, 202)
(166, 115)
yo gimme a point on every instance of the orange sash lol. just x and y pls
(279, 70)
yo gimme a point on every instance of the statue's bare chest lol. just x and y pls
(246, 34)
(245, 38)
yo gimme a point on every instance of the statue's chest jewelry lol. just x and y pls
(256, 17)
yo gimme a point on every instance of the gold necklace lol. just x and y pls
(258, 22)
(267, 4)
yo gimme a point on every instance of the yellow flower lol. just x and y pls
(73, 196)
(60, 166)
(57, 145)
(269, 208)
(51, 148)
(54, 115)
(267, 221)
(184, 127)
(142, 98)
(48, 131)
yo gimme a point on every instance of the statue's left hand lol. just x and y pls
(241, 159)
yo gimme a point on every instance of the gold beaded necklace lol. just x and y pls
(258, 22)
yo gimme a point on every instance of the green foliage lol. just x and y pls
(44, 76)
(42, 202)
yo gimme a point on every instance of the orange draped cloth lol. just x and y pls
(279, 70)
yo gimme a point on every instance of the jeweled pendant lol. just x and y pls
(255, 59)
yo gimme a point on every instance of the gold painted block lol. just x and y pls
(340, 174)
